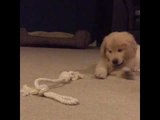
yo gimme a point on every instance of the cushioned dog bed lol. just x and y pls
(81, 39)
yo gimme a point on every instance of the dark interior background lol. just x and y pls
(99, 17)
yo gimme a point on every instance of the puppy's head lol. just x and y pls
(118, 48)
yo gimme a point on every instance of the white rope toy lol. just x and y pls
(42, 90)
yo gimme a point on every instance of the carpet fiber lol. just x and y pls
(109, 99)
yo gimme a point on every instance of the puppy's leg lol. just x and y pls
(124, 73)
(136, 67)
(101, 71)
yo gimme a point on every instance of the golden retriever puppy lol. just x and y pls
(120, 56)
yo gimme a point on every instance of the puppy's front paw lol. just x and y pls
(129, 75)
(101, 73)
(136, 69)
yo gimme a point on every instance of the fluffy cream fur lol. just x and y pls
(119, 50)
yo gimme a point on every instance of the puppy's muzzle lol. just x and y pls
(115, 61)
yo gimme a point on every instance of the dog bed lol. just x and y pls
(81, 39)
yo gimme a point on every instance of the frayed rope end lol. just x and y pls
(28, 90)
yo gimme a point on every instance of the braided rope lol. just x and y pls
(42, 90)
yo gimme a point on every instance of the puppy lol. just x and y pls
(120, 56)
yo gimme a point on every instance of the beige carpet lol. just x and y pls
(109, 99)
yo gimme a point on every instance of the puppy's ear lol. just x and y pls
(103, 48)
(132, 47)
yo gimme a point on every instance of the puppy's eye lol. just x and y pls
(109, 51)
(120, 50)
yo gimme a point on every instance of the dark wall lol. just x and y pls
(67, 16)
(58, 15)
(99, 17)
(104, 13)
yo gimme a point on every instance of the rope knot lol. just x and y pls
(42, 90)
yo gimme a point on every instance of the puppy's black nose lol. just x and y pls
(115, 61)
